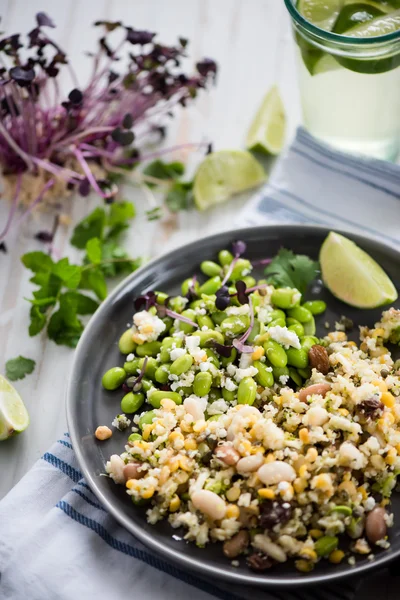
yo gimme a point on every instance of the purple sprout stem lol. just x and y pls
(255, 288)
(92, 180)
(13, 207)
(176, 315)
(229, 271)
(172, 149)
(263, 261)
(60, 172)
(25, 157)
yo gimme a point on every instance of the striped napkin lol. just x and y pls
(58, 542)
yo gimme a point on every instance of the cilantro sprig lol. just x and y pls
(18, 368)
(59, 301)
(292, 270)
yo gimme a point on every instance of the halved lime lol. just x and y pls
(322, 13)
(352, 275)
(267, 131)
(381, 25)
(223, 174)
(14, 417)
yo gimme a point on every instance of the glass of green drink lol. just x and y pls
(349, 71)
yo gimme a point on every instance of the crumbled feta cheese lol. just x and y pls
(192, 342)
(369, 503)
(283, 336)
(205, 366)
(130, 357)
(264, 314)
(283, 379)
(229, 384)
(237, 310)
(177, 353)
(199, 355)
(245, 360)
(146, 327)
(249, 372)
(218, 407)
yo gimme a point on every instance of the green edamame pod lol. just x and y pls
(247, 391)
(225, 257)
(155, 398)
(297, 328)
(162, 373)
(275, 353)
(147, 418)
(210, 286)
(148, 349)
(132, 367)
(113, 378)
(218, 316)
(208, 337)
(213, 358)
(295, 376)
(161, 297)
(264, 377)
(210, 268)
(228, 395)
(185, 327)
(297, 358)
(131, 402)
(316, 307)
(126, 344)
(242, 268)
(202, 383)
(286, 298)
(232, 326)
(181, 364)
(190, 284)
(300, 313)
(249, 281)
(225, 360)
(205, 321)
(134, 437)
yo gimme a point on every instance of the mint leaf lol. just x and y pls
(93, 279)
(92, 226)
(179, 196)
(162, 170)
(120, 212)
(64, 326)
(70, 275)
(93, 250)
(292, 270)
(18, 368)
(38, 262)
(85, 305)
(38, 321)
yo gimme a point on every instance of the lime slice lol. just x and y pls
(14, 417)
(267, 131)
(223, 174)
(355, 14)
(322, 13)
(382, 25)
(325, 64)
(352, 275)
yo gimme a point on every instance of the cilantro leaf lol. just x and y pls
(38, 262)
(38, 321)
(90, 227)
(179, 196)
(18, 368)
(93, 250)
(292, 270)
(162, 170)
(120, 212)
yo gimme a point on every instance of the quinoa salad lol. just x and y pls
(246, 428)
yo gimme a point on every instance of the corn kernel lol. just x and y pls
(337, 336)
(308, 553)
(132, 484)
(303, 470)
(147, 328)
(288, 493)
(379, 332)
(137, 338)
(349, 487)
(165, 473)
(299, 485)
(352, 344)
(258, 353)
(322, 482)
(312, 454)
(147, 429)
(388, 399)
(185, 463)
(174, 504)
(149, 493)
(200, 426)
(185, 426)
(316, 533)
(391, 456)
(190, 444)
(380, 384)
(347, 476)
(336, 556)
(382, 359)
(385, 502)
(142, 444)
(343, 411)
(304, 435)
(173, 465)
(233, 494)
(266, 493)
(363, 492)
(269, 458)
(232, 511)
(305, 566)
(168, 404)
(245, 447)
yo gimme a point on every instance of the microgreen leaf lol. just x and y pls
(18, 368)
(241, 292)
(90, 227)
(93, 250)
(292, 270)
(222, 298)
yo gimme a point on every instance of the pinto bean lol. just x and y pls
(318, 388)
(375, 525)
(236, 545)
(227, 454)
(131, 471)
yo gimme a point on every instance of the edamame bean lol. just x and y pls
(185, 327)
(297, 328)
(229, 395)
(210, 286)
(247, 391)
(131, 402)
(316, 307)
(213, 358)
(177, 303)
(167, 345)
(148, 349)
(126, 344)
(113, 378)
(181, 364)
(147, 384)
(277, 323)
(208, 337)
(134, 437)
(225, 360)
(297, 358)
(264, 377)
(309, 327)
(241, 269)
(254, 332)
(280, 372)
(255, 299)
(277, 313)
(152, 310)
(205, 321)
(305, 373)
(300, 313)
(161, 297)
(186, 390)
(225, 257)
(147, 418)
(275, 353)
(210, 268)
(218, 316)
(155, 398)
(308, 341)
(326, 544)
(168, 322)
(232, 326)
(286, 298)
(233, 294)
(249, 281)
(294, 376)
(132, 367)
(190, 284)
(151, 367)
(202, 383)
(197, 304)
(161, 375)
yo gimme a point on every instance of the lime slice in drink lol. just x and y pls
(355, 14)
(14, 417)
(267, 131)
(223, 174)
(325, 64)
(381, 25)
(352, 275)
(322, 13)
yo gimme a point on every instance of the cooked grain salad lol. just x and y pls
(259, 434)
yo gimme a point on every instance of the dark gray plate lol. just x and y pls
(88, 405)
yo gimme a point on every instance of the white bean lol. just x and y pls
(194, 408)
(316, 416)
(275, 472)
(248, 464)
(209, 504)
(115, 468)
(261, 542)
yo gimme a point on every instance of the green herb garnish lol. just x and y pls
(292, 270)
(18, 368)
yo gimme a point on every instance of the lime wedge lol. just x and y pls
(323, 14)
(267, 131)
(223, 174)
(14, 417)
(352, 275)
(382, 25)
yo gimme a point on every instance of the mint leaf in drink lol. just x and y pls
(18, 368)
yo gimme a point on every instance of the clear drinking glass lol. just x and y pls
(350, 88)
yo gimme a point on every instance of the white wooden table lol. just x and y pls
(251, 41)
